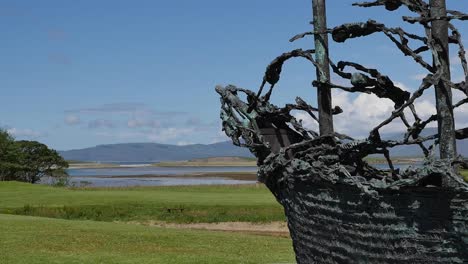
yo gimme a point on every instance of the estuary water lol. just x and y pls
(140, 175)
(144, 175)
(129, 170)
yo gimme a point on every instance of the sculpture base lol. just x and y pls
(335, 223)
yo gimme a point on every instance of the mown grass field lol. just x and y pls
(178, 204)
(26, 239)
(44, 224)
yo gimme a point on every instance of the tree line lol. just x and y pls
(29, 161)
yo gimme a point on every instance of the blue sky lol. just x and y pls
(76, 74)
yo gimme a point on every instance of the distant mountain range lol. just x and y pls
(153, 152)
(413, 151)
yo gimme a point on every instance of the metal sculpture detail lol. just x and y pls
(322, 179)
(337, 148)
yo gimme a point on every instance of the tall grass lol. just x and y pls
(142, 212)
(182, 204)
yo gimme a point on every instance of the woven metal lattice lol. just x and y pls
(339, 156)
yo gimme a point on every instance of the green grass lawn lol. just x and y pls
(196, 203)
(26, 239)
(67, 231)
(464, 173)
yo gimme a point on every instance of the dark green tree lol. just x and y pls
(40, 161)
(29, 161)
(6, 145)
(8, 157)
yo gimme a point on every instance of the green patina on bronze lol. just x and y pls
(324, 99)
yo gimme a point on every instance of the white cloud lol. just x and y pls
(403, 86)
(166, 134)
(72, 119)
(425, 108)
(101, 123)
(362, 112)
(306, 120)
(119, 108)
(419, 76)
(131, 108)
(220, 137)
(120, 135)
(193, 121)
(160, 135)
(137, 122)
(25, 133)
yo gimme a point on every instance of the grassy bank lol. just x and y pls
(43, 240)
(171, 204)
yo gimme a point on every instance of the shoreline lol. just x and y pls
(242, 176)
(131, 166)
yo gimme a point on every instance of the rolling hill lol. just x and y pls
(412, 151)
(154, 152)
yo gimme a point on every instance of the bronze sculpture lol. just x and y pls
(340, 209)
